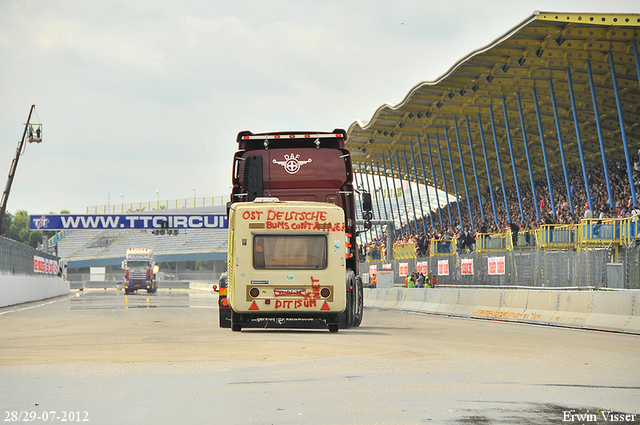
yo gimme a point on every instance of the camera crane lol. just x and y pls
(34, 133)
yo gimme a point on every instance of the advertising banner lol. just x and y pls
(44, 265)
(128, 221)
(422, 267)
(496, 265)
(466, 266)
(403, 269)
(443, 267)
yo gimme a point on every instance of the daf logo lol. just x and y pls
(291, 163)
(41, 222)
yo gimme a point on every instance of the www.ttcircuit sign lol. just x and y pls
(128, 221)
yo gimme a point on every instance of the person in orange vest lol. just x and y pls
(434, 281)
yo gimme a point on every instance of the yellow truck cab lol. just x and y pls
(286, 262)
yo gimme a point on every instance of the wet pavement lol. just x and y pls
(162, 359)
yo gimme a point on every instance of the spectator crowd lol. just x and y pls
(413, 233)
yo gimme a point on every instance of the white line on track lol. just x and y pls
(35, 306)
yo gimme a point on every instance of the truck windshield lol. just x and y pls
(305, 252)
(137, 264)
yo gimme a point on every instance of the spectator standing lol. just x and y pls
(587, 212)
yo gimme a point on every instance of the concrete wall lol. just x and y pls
(602, 310)
(17, 289)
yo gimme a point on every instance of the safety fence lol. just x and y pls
(523, 268)
(19, 259)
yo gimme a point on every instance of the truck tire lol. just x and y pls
(333, 327)
(358, 306)
(224, 319)
(347, 317)
(236, 326)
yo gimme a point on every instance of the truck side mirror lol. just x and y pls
(366, 202)
(367, 209)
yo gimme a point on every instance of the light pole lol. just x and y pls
(158, 194)
(194, 197)
(122, 199)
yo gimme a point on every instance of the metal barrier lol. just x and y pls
(528, 268)
(17, 258)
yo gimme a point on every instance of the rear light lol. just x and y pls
(325, 292)
(254, 292)
(224, 302)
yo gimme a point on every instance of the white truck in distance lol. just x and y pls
(139, 270)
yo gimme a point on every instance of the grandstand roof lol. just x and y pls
(538, 53)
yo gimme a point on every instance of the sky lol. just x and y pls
(141, 100)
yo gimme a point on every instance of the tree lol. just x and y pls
(18, 230)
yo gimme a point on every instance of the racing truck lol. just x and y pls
(139, 270)
(314, 171)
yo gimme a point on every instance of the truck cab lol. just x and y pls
(139, 270)
(302, 166)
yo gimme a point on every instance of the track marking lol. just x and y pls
(35, 306)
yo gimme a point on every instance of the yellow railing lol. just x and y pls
(492, 242)
(376, 254)
(603, 232)
(557, 236)
(173, 204)
(444, 247)
(407, 250)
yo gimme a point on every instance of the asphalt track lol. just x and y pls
(162, 359)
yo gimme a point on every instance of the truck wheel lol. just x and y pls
(236, 326)
(348, 316)
(343, 318)
(333, 327)
(358, 304)
(224, 319)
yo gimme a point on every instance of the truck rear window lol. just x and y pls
(305, 252)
